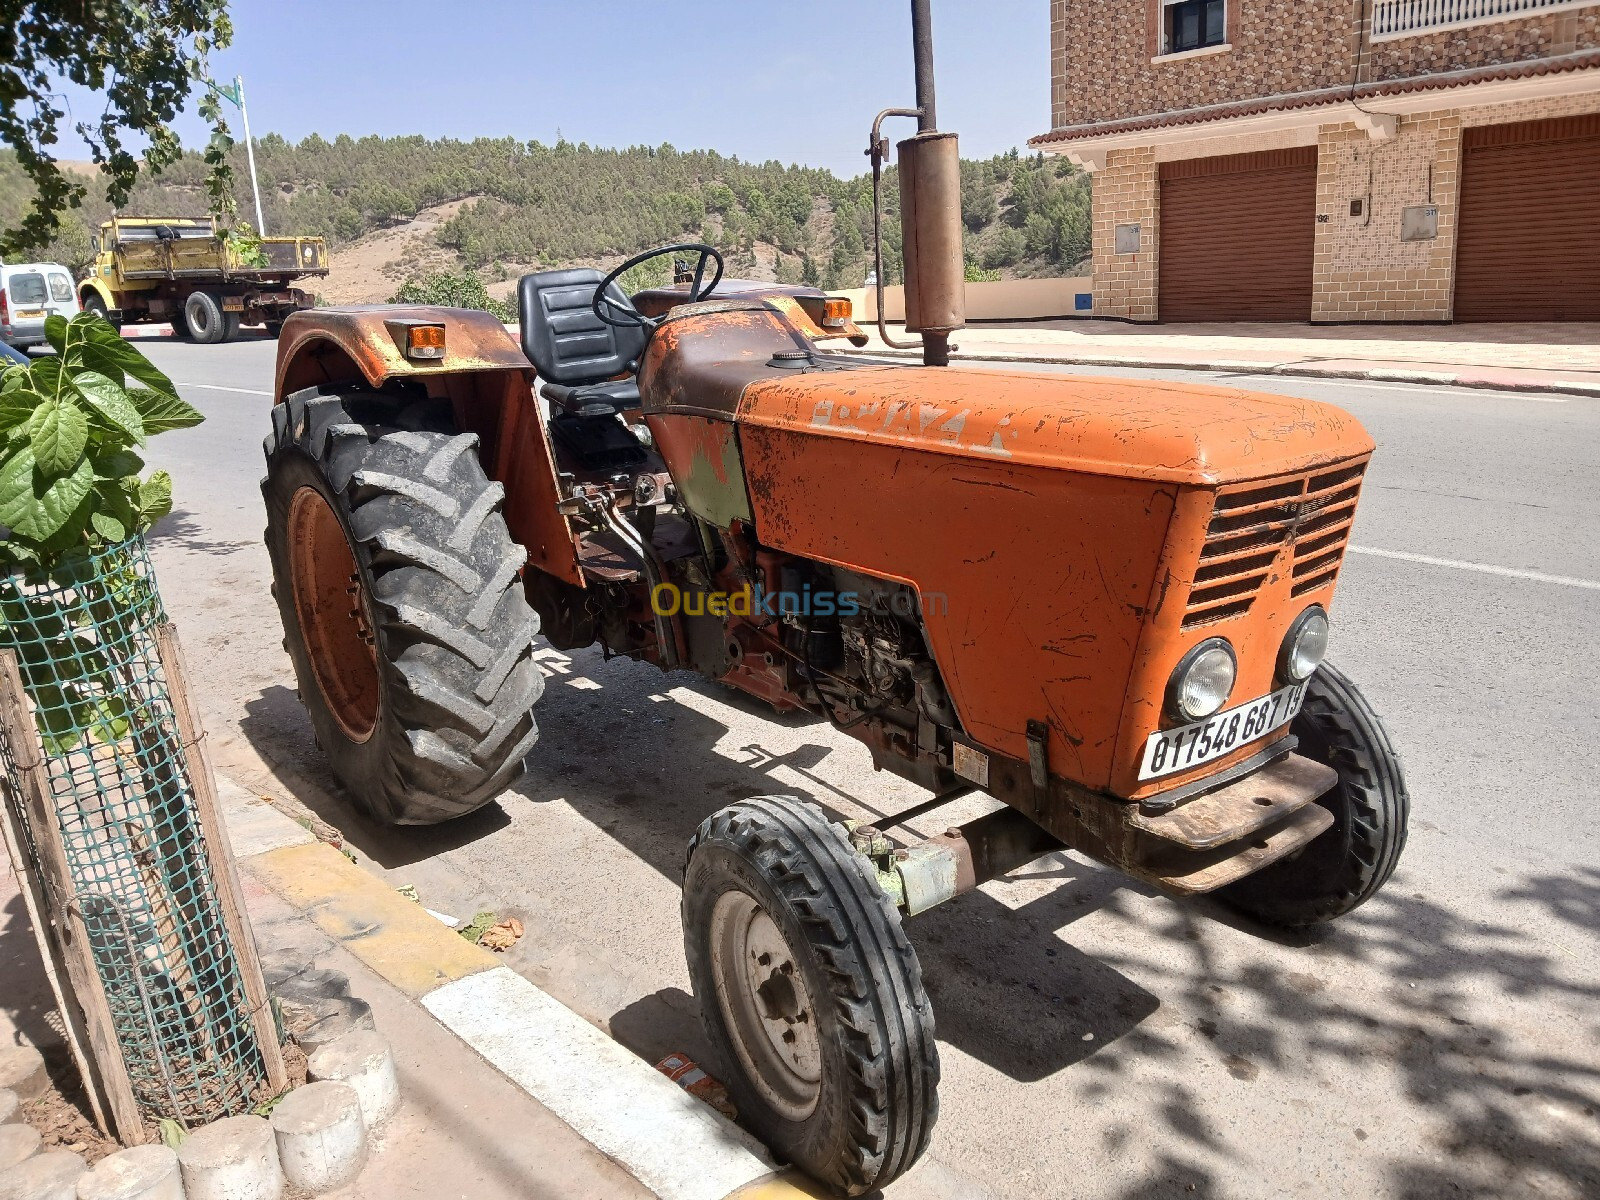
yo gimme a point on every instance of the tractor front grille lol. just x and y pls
(1252, 523)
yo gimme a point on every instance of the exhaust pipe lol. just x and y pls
(930, 212)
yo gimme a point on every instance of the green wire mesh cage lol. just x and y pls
(141, 876)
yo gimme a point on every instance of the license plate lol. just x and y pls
(232, 304)
(1174, 750)
(29, 314)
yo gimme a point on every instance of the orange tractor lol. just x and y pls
(1103, 603)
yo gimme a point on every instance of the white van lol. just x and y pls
(30, 292)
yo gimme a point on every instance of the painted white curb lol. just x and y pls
(668, 1140)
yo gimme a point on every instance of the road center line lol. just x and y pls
(217, 387)
(1485, 568)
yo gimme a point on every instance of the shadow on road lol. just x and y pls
(1507, 1119)
(180, 528)
(275, 723)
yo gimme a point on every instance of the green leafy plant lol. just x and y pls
(71, 489)
(652, 273)
(244, 247)
(479, 925)
(69, 470)
(452, 290)
(172, 1133)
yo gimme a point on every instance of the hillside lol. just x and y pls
(395, 208)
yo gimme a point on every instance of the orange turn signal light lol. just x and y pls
(425, 341)
(835, 312)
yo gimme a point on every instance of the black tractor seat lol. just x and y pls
(595, 399)
(578, 356)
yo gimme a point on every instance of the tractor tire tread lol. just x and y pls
(894, 1079)
(456, 634)
(1377, 807)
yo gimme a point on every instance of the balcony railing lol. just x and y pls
(1404, 18)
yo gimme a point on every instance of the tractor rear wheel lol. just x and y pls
(1345, 865)
(398, 586)
(810, 993)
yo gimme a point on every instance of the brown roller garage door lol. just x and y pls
(1528, 247)
(1236, 236)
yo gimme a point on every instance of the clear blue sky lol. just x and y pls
(799, 82)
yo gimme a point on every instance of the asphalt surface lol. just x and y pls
(1097, 1039)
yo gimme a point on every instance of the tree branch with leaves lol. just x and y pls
(143, 56)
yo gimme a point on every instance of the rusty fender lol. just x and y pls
(367, 341)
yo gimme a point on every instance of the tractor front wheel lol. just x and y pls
(1347, 864)
(810, 993)
(399, 589)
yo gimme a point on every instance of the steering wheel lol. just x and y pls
(628, 317)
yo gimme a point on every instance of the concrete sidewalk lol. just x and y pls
(1531, 357)
(511, 1094)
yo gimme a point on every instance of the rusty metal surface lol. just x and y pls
(604, 560)
(1111, 830)
(1239, 809)
(474, 341)
(1060, 522)
(333, 613)
(516, 451)
(1189, 873)
(959, 859)
(1145, 429)
(657, 302)
(702, 358)
(930, 225)
(703, 456)
(1033, 580)
(993, 845)
(700, 361)
(1256, 631)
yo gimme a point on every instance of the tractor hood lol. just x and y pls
(1181, 433)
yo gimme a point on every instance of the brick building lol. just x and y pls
(1335, 160)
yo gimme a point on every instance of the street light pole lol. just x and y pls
(250, 152)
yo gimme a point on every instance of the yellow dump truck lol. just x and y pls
(182, 270)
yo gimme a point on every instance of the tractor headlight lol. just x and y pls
(1203, 680)
(1304, 645)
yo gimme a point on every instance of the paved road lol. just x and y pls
(1098, 1040)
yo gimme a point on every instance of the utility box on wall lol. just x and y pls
(1419, 223)
(1128, 239)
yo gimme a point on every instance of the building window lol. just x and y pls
(1194, 24)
